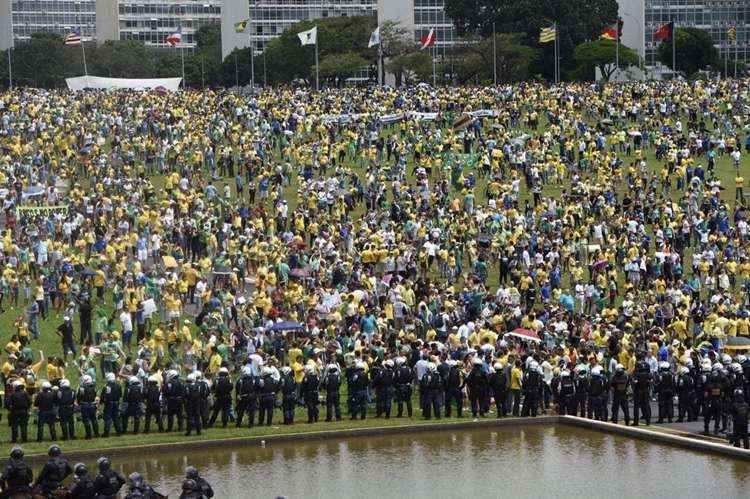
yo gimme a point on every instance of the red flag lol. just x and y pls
(664, 33)
(427, 40)
(609, 33)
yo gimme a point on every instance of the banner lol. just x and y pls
(100, 82)
(25, 210)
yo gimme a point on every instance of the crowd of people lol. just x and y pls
(540, 248)
(60, 480)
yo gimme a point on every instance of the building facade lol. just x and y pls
(19, 19)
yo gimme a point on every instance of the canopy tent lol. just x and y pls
(103, 83)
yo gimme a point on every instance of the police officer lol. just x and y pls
(700, 377)
(110, 399)
(108, 482)
(685, 394)
(205, 392)
(641, 386)
(477, 383)
(714, 384)
(268, 388)
(222, 398)
(65, 405)
(46, 402)
(331, 384)
(739, 410)
(192, 405)
(532, 388)
(665, 392)
(202, 485)
(403, 384)
(289, 394)
(133, 398)
(310, 394)
(384, 390)
(82, 486)
(17, 475)
(581, 392)
(745, 363)
(619, 383)
(498, 385)
(54, 472)
(86, 398)
(246, 393)
(566, 393)
(174, 392)
(597, 393)
(153, 398)
(358, 385)
(431, 385)
(19, 403)
(454, 389)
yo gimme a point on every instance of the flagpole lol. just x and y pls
(557, 62)
(494, 54)
(434, 74)
(252, 64)
(380, 59)
(317, 72)
(10, 63)
(83, 49)
(182, 61)
(674, 45)
(736, 53)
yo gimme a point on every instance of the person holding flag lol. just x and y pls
(310, 37)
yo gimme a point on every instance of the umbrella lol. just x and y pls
(524, 334)
(737, 343)
(286, 326)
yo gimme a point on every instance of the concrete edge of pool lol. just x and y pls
(651, 435)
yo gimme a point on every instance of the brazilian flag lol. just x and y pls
(240, 26)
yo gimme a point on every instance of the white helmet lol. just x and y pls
(153, 378)
(246, 371)
(716, 367)
(726, 359)
(664, 365)
(223, 370)
(736, 368)
(266, 371)
(309, 369)
(191, 378)
(596, 371)
(110, 377)
(17, 383)
(534, 365)
(432, 367)
(741, 359)
(400, 360)
(286, 370)
(198, 375)
(388, 363)
(64, 383)
(86, 380)
(497, 366)
(173, 374)
(476, 361)
(333, 367)
(46, 385)
(359, 365)
(619, 367)
(133, 380)
(682, 370)
(564, 373)
(689, 363)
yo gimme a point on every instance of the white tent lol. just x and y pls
(100, 82)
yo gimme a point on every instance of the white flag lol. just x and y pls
(374, 38)
(309, 37)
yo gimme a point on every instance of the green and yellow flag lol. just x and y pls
(547, 34)
(240, 26)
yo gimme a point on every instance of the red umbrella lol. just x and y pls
(524, 334)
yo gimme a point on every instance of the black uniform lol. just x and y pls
(532, 389)
(46, 402)
(581, 393)
(332, 384)
(107, 484)
(478, 385)
(268, 388)
(713, 396)
(16, 478)
(65, 404)
(174, 392)
(641, 385)
(19, 403)
(205, 391)
(739, 410)
(110, 399)
(383, 386)
(288, 397)
(431, 386)
(566, 396)
(133, 399)
(665, 394)
(86, 397)
(403, 390)
(246, 392)
(55, 471)
(685, 397)
(193, 408)
(499, 387)
(598, 394)
(310, 394)
(619, 383)
(358, 386)
(82, 487)
(454, 392)
(153, 397)
(222, 399)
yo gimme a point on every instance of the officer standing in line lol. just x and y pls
(404, 378)
(499, 387)
(620, 383)
(246, 394)
(17, 475)
(133, 398)
(714, 383)
(685, 394)
(641, 387)
(477, 383)
(310, 394)
(108, 482)
(566, 394)
(431, 386)
(205, 392)
(192, 405)
(384, 389)
(454, 389)
(331, 384)
(582, 389)
(86, 398)
(358, 385)
(82, 486)
(153, 397)
(45, 401)
(268, 388)
(289, 395)
(110, 399)
(202, 485)
(174, 392)
(739, 411)
(65, 404)
(532, 388)
(665, 392)
(222, 389)
(19, 403)
(54, 472)
(598, 391)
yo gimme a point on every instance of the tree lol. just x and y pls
(577, 21)
(602, 54)
(416, 65)
(514, 59)
(44, 61)
(122, 59)
(694, 51)
(340, 66)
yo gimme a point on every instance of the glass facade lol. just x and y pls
(714, 16)
(56, 16)
(152, 22)
(430, 14)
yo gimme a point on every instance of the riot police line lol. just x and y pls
(58, 479)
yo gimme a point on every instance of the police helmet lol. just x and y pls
(189, 485)
(133, 380)
(689, 363)
(223, 371)
(619, 368)
(198, 375)
(110, 377)
(191, 378)
(333, 367)
(284, 370)
(64, 383)
(716, 367)
(565, 373)
(739, 394)
(191, 472)
(16, 453)
(18, 384)
(726, 359)
(246, 371)
(46, 385)
(388, 363)
(87, 380)
(359, 364)
(135, 479)
(476, 361)
(80, 469)
(736, 368)
(266, 371)
(497, 366)
(400, 360)
(741, 359)
(309, 369)
(664, 366)
(682, 370)
(153, 379)
(103, 464)
(706, 367)
(54, 450)
(432, 367)
(533, 366)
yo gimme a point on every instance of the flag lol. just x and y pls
(309, 37)
(74, 37)
(374, 38)
(241, 26)
(609, 33)
(548, 34)
(664, 32)
(175, 37)
(732, 33)
(427, 40)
